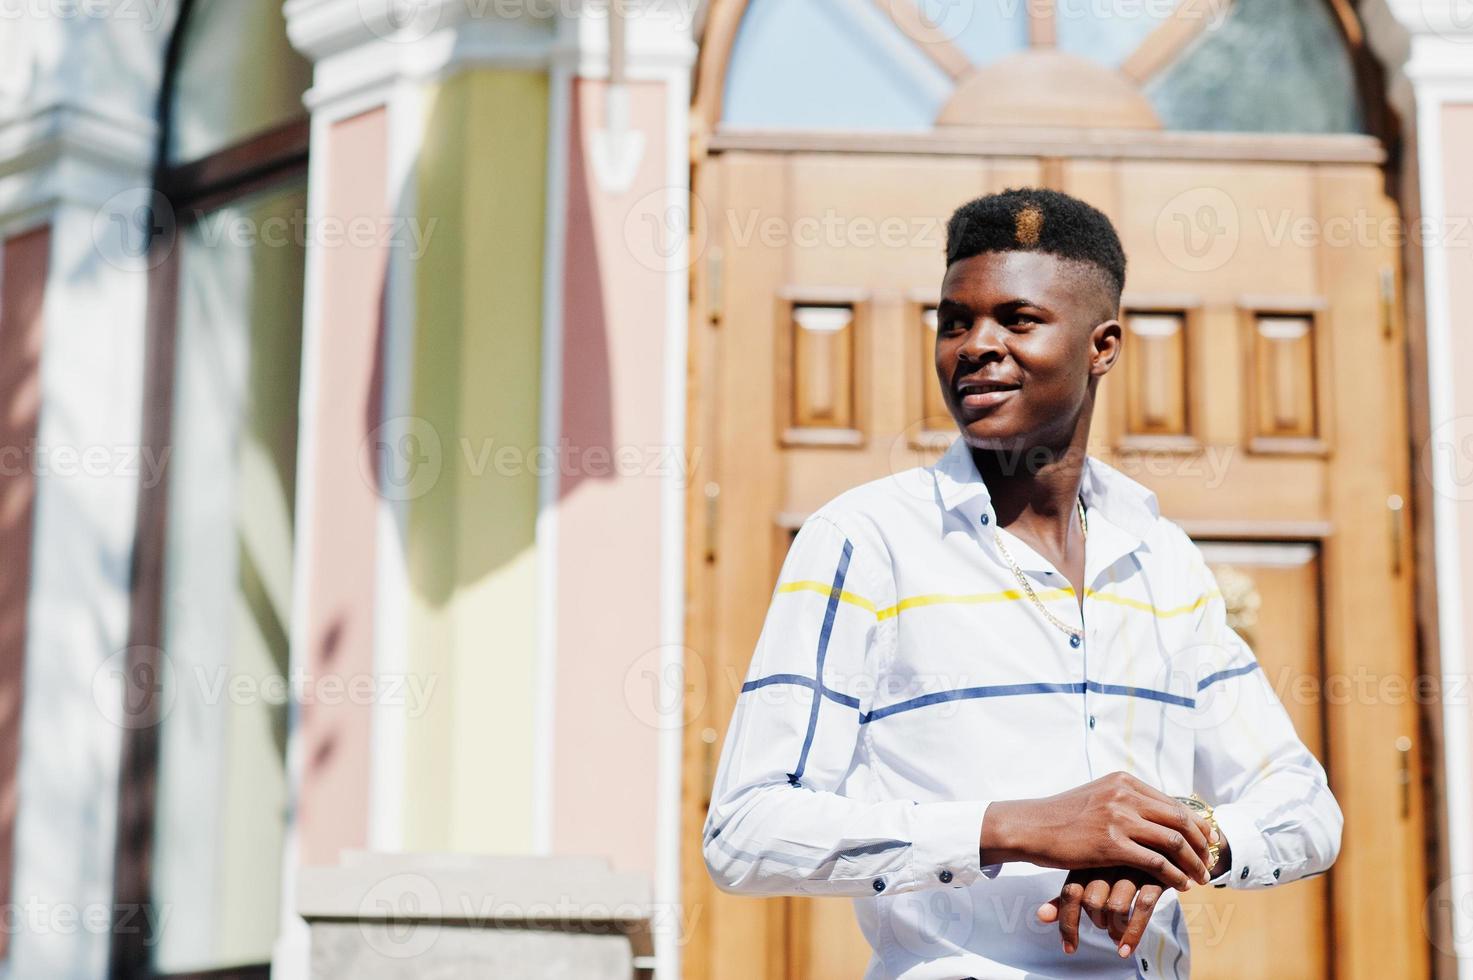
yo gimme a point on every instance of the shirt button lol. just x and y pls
(945, 877)
(985, 519)
(1091, 721)
(879, 884)
(1074, 641)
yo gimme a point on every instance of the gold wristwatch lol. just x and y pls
(1199, 805)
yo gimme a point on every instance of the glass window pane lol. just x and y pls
(1272, 67)
(985, 29)
(238, 77)
(826, 64)
(222, 791)
(1109, 36)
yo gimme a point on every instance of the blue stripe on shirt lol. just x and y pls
(965, 693)
(1143, 692)
(796, 776)
(800, 681)
(1007, 690)
(1223, 675)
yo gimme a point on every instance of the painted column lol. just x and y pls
(1428, 48)
(353, 335)
(422, 370)
(493, 444)
(73, 291)
(623, 460)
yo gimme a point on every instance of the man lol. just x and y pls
(986, 692)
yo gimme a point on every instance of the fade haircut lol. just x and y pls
(1032, 219)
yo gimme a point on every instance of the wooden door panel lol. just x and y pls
(1368, 622)
(1273, 591)
(825, 941)
(866, 222)
(1213, 240)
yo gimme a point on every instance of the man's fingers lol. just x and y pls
(1117, 908)
(1179, 817)
(1069, 901)
(1096, 894)
(1146, 789)
(1174, 845)
(1153, 863)
(1145, 904)
(1048, 911)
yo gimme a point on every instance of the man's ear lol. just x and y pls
(1104, 347)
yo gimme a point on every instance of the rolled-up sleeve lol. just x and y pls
(779, 821)
(1270, 794)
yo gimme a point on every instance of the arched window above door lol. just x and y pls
(911, 65)
(1271, 67)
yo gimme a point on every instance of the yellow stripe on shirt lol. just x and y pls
(969, 599)
(824, 588)
(979, 598)
(1130, 603)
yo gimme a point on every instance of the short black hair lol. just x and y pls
(1033, 219)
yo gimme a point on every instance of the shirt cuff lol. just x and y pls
(947, 842)
(1250, 867)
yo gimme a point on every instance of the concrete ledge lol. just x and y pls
(395, 917)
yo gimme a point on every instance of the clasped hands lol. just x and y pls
(1122, 841)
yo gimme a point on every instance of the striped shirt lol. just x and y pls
(903, 680)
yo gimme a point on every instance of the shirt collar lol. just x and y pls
(1113, 495)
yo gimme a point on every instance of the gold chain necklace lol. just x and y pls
(1076, 635)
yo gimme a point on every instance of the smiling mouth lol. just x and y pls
(984, 394)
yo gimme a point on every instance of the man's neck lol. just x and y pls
(1035, 490)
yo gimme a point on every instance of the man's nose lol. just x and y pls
(983, 339)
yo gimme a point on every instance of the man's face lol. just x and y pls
(1019, 338)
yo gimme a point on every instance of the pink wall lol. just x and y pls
(22, 289)
(343, 507)
(614, 323)
(1455, 434)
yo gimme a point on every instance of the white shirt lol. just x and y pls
(943, 688)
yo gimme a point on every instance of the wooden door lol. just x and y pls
(1272, 591)
(1261, 395)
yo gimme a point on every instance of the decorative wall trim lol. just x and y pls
(1067, 141)
(672, 535)
(550, 429)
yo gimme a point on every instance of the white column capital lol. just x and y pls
(78, 97)
(1429, 43)
(1448, 20)
(67, 154)
(361, 47)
